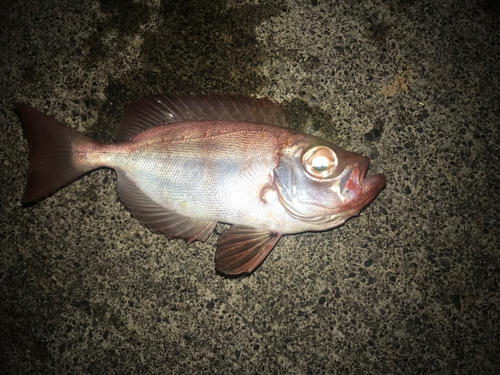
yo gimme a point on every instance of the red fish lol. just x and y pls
(184, 163)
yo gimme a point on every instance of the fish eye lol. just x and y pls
(320, 162)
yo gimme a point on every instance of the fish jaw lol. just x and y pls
(371, 185)
(361, 189)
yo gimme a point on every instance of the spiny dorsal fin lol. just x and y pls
(242, 249)
(162, 109)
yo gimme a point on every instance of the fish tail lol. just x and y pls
(52, 161)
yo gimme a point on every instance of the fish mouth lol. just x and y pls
(363, 169)
(370, 185)
(362, 188)
(374, 182)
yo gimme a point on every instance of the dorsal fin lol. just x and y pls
(162, 109)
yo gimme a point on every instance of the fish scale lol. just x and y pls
(184, 163)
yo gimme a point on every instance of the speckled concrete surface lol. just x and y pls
(411, 286)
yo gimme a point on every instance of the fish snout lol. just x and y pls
(373, 184)
(360, 188)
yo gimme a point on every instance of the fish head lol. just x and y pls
(322, 184)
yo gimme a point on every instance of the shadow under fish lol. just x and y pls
(184, 163)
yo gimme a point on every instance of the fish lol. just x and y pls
(185, 163)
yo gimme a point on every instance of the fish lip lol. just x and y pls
(374, 182)
(367, 186)
(363, 169)
(370, 185)
(356, 175)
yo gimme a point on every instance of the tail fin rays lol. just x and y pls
(51, 145)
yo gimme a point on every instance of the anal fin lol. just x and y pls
(157, 217)
(242, 249)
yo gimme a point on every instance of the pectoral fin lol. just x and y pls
(241, 249)
(157, 217)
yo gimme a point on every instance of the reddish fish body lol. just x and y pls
(185, 163)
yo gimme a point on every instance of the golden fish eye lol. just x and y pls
(320, 162)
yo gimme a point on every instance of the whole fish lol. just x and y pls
(184, 163)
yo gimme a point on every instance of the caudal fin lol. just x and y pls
(51, 161)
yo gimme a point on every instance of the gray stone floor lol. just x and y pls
(410, 286)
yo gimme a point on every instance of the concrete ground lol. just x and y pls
(410, 286)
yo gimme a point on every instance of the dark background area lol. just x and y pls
(410, 286)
